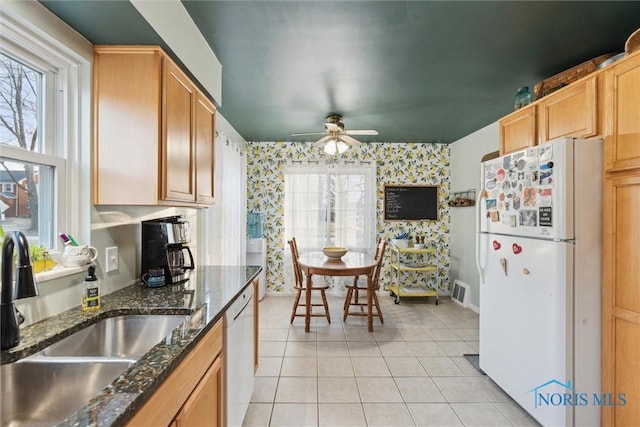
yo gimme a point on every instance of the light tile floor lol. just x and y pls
(409, 372)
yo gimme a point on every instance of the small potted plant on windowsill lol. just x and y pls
(40, 258)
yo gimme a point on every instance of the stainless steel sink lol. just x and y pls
(49, 386)
(121, 336)
(36, 392)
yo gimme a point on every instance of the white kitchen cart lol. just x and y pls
(405, 260)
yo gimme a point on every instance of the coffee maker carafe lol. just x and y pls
(164, 246)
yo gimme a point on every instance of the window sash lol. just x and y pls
(52, 121)
(308, 206)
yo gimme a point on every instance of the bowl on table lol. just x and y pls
(334, 252)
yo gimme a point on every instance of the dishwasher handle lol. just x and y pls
(240, 304)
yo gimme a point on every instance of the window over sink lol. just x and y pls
(44, 126)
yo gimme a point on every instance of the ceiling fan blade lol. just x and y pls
(354, 142)
(361, 132)
(322, 140)
(306, 134)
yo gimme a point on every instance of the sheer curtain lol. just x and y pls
(329, 204)
(227, 217)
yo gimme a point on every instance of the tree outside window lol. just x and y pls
(20, 101)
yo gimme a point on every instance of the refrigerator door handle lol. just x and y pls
(478, 220)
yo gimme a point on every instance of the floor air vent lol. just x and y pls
(460, 293)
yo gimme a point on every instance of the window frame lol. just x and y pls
(31, 34)
(367, 169)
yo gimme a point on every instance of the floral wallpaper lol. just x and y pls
(397, 163)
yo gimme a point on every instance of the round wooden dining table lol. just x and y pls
(351, 264)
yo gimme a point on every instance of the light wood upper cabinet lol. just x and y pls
(518, 130)
(127, 97)
(145, 134)
(570, 112)
(205, 140)
(622, 112)
(178, 143)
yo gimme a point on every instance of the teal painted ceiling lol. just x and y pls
(423, 71)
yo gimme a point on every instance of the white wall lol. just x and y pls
(465, 174)
(215, 239)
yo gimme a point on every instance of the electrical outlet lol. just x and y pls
(111, 259)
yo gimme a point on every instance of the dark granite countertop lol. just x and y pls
(206, 296)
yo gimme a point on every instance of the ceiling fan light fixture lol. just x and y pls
(331, 147)
(336, 139)
(342, 146)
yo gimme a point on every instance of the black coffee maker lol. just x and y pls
(164, 246)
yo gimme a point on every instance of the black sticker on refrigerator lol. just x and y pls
(545, 216)
(528, 218)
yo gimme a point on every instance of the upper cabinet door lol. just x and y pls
(178, 167)
(126, 107)
(622, 110)
(205, 140)
(570, 112)
(518, 130)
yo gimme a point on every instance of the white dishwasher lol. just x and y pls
(239, 356)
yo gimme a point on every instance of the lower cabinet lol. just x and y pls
(621, 299)
(204, 406)
(193, 395)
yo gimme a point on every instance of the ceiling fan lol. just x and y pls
(337, 139)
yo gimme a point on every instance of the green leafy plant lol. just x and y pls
(40, 258)
(38, 253)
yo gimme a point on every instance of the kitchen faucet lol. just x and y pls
(25, 286)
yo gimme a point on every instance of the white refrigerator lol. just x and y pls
(538, 256)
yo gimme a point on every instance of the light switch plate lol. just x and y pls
(111, 259)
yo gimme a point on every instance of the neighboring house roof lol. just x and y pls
(9, 195)
(5, 177)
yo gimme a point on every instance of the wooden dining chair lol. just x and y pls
(300, 286)
(352, 297)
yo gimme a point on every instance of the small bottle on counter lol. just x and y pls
(91, 291)
(523, 97)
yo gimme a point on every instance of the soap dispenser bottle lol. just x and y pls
(91, 291)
